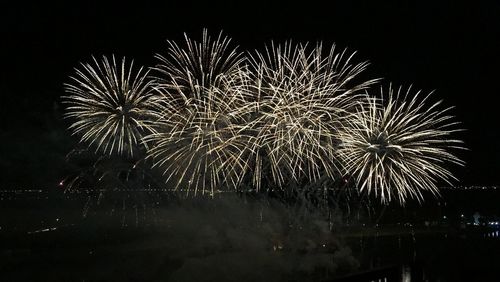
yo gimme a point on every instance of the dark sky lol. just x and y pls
(452, 48)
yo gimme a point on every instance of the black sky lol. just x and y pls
(450, 47)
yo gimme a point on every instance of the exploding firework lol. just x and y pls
(400, 148)
(301, 98)
(111, 105)
(212, 118)
(196, 138)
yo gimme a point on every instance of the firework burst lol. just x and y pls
(400, 148)
(196, 138)
(111, 105)
(301, 98)
(212, 118)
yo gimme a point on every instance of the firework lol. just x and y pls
(398, 147)
(196, 139)
(212, 118)
(301, 97)
(110, 105)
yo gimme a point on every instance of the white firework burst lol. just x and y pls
(301, 97)
(196, 138)
(400, 146)
(110, 104)
(210, 117)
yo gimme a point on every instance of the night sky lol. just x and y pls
(452, 48)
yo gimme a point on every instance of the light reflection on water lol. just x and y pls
(493, 234)
(424, 256)
(406, 274)
(132, 217)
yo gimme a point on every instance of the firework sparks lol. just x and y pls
(197, 66)
(110, 104)
(212, 118)
(400, 148)
(301, 99)
(196, 138)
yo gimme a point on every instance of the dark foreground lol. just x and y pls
(76, 240)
